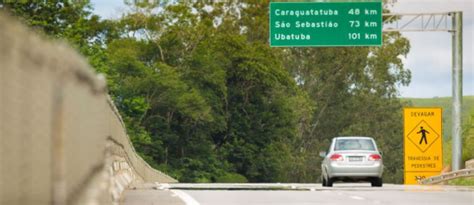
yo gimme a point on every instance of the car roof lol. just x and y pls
(353, 137)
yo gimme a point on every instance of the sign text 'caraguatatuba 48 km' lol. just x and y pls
(326, 24)
(422, 130)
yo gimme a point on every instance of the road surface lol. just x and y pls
(297, 194)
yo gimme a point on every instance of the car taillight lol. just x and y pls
(336, 157)
(375, 157)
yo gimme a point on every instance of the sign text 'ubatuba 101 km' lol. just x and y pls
(326, 24)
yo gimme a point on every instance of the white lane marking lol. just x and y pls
(357, 197)
(188, 200)
(163, 186)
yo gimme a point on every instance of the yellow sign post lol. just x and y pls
(423, 143)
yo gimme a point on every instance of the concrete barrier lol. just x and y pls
(62, 140)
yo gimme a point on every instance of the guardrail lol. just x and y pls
(448, 176)
(467, 172)
(62, 141)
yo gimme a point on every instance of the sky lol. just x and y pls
(108, 9)
(430, 55)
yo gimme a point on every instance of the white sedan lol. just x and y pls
(352, 159)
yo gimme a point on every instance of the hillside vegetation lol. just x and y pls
(206, 99)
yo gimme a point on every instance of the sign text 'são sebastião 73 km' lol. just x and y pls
(325, 24)
(423, 142)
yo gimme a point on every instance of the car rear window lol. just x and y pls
(354, 144)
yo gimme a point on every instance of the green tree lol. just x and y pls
(205, 98)
(70, 20)
(353, 90)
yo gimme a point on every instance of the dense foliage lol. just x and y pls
(205, 98)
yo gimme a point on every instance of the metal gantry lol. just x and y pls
(416, 22)
(427, 22)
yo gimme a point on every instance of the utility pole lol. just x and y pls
(457, 90)
(428, 22)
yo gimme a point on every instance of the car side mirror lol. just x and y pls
(322, 154)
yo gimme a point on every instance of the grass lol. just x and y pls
(469, 181)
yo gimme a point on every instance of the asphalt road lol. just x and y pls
(298, 194)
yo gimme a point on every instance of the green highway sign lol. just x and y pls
(306, 24)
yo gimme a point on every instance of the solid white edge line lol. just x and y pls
(357, 197)
(188, 200)
(162, 186)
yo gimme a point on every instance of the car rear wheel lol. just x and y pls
(326, 183)
(329, 182)
(377, 182)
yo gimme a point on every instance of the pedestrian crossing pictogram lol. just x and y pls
(423, 136)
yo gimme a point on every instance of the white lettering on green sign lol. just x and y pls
(310, 12)
(326, 23)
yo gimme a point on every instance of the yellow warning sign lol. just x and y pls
(422, 130)
(413, 177)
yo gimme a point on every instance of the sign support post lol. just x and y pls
(457, 91)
